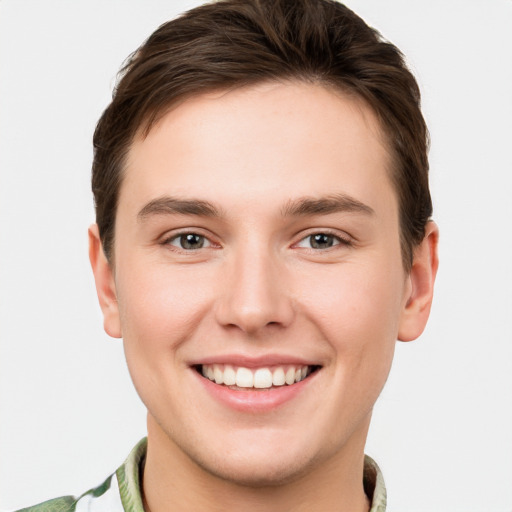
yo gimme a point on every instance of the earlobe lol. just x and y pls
(105, 284)
(420, 288)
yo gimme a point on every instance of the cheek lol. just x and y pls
(159, 311)
(355, 299)
(359, 317)
(160, 306)
(356, 308)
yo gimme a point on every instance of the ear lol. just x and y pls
(105, 284)
(420, 286)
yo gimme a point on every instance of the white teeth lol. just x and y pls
(278, 378)
(244, 378)
(261, 378)
(290, 376)
(229, 375)
(218, 374)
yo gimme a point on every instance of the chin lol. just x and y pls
(258, 472)
(260, 457)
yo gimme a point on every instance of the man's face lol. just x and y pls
(257, 238)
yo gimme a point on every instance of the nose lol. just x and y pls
(255, 295)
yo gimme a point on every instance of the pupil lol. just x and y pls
(192, 241)
(321, 241)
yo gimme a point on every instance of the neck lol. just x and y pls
(172, 481)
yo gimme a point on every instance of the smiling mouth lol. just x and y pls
(242, 378)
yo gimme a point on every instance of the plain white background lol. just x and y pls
(442, 430)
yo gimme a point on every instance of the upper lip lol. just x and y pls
(254, 362)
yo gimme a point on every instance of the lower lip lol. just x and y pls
(255, 400)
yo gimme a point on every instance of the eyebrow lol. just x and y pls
(325, 205)
(167, 205)
(172, 205)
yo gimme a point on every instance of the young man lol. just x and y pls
(263, 238)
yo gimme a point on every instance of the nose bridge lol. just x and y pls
(255, 293)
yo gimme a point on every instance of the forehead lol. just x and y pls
(273, 140)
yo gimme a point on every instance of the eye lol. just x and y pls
(321, 241)
(189, 241)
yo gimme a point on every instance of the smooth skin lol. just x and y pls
(296, 253)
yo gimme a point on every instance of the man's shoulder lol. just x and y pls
(62, 504)
(120, 492)
(101, 498)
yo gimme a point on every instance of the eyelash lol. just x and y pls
(334, 239)
(180, 238)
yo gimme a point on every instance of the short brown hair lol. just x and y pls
(235, 43)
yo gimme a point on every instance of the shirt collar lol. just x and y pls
(374, 487)
(129, 476)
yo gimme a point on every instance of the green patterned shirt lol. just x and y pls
(121, 491)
